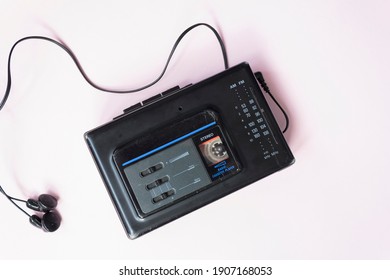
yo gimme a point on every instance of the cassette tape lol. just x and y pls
(184, 148)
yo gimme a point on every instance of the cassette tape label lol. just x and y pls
(215, 153)
(180, 167)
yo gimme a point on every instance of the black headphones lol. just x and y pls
(50, 220)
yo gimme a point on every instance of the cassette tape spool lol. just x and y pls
(185, 148)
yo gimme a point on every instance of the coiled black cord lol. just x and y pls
(85, 76)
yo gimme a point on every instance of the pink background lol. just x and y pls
(327, 62)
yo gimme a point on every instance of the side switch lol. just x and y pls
(163, 196)
(157, 183)
(151, 169)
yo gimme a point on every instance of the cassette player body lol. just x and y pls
(185, 148)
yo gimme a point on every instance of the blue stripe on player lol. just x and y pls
(168, 144)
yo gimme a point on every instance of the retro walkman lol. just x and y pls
(184, 148)
(179, 150)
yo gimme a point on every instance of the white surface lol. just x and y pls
(327, 62)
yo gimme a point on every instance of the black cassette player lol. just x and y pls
(185, 148)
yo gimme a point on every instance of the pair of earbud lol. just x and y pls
(46, 203)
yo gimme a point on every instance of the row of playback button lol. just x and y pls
(149, 100)
(152, 99)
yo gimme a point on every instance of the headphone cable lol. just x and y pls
(10, 198)
(63, 46)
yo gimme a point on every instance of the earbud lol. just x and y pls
(46, 203)
(49, 222)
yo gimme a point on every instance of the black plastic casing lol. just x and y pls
(250, 129)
